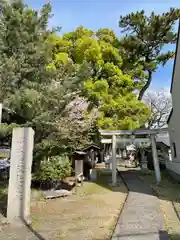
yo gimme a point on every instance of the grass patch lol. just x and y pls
(89, 188)
(168, 191)
(36, 195)
(91, 213)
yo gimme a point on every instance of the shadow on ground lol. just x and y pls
(168, 189)
(173, 237)
(163, 235)
(46, 185)
(3, 208)
(31, 229)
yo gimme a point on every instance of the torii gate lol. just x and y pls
(151, 133)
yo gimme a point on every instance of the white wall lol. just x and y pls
(173, 166)
(174, 122)
(174, 134)
(176, 79)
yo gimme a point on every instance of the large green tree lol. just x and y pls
(106, 88)
(29, 86)
(143, 45)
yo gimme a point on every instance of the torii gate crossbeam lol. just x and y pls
(149, 132)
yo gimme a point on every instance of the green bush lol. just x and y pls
(6, 132)
(56, 168)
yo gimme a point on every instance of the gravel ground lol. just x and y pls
(90, 214)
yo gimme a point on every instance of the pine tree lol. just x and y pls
(30, 87)
(143, 45)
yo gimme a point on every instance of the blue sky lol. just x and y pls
(95, 14)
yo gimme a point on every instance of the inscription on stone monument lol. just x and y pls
(20, 174)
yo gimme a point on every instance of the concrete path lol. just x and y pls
(18, 232)
(141, 218)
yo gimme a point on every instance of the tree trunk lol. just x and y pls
(146, 86)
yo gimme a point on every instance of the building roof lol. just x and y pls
(91, 146)
(80, 153)
(163, 138)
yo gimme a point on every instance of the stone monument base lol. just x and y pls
(19, 222)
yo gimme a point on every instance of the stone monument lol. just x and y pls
(79, 171)
(19, 190)
(93, 173)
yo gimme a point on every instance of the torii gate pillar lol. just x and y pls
(155, 159)
(114, 176)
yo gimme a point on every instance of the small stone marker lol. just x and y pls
(144, 162)
(79, 162)
(78, 167)
(79, 171)
(19, 191)
(144, 165)
(93, 174)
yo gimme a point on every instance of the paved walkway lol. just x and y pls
(18, 232)
(141, 218)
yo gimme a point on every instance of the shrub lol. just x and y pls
(56, 168)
